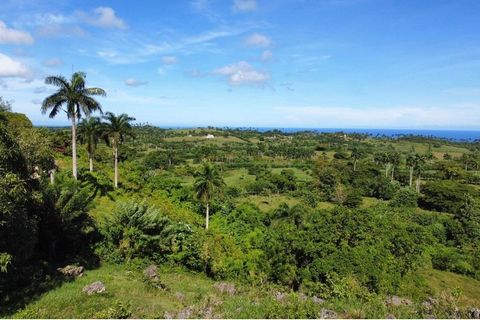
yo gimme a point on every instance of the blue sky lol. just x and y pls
(285, 63)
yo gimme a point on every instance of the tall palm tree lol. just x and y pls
(411, 164)
(416, 163)
(90, 131)
(356, 155)
(394, 159)
(78, 101)
(117, 129)
(208, 181)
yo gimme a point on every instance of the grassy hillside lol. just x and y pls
(193, 295)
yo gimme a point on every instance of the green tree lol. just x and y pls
(117, 129)
(90, 131)
(78, 100)
(208, 181)
(356, 155)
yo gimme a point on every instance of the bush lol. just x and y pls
(137, 230)
(445, 196)
(404, 198)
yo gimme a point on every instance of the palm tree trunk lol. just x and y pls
(116, 166)
(354, 165)
(90, 158)
(411, 176)
(393, 170)
(418, 184)
(52, 176)
(386, 170)
(74, 147)
(207, 216)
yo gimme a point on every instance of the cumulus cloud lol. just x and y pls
(258, 40)
(135, 83)
(53, 62)
(244, 5)
(13, 68)
(267, 55)
(14, 36)
(169, 60)
(242, 73)
(104, 17)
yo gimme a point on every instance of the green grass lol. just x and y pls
(441, 281)
(125, 285)
(269, 202)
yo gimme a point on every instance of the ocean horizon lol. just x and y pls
(449, 134)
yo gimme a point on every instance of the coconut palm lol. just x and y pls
(90, 131)
(394, 160)
(208, 181)
(117, 129)
(356, 155)
(77, 100)
(416, 163)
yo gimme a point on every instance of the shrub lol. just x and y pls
(404, 198)
(137, 230)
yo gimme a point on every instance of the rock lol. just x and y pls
(71, 271)
(185, 313)
(179, 296)
(96, 287)
(327, 314)
(151, 272)
(391, 316)
(280, 296)
(317, 300)
(168, 315)
(396, 301)
(225, 287)
(429, 304)
(474, 313)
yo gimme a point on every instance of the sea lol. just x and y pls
(455, 135)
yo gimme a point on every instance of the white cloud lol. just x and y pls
(169, 60)
(58, 30)
(53, 62)
(135, 83)
(244, 5)
(381, 117)
(258, 40)
(14, 36)
(242, 73)
(104, 17)
(13, 68)
(267, 55)
(39, 90)
(37, 101)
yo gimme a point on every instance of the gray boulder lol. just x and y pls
(327, 314)
(94, 288)
(225, 287)
(71, 271)
(474, 313)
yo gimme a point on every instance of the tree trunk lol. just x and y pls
(354, 165)
(418, 184)
(116, 166)
(52, 176)
(90, 158)
(386, 170)
(411, 176)
(74, 147)
(207, 216)
(393, 170)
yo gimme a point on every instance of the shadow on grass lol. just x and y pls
(22, 286)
